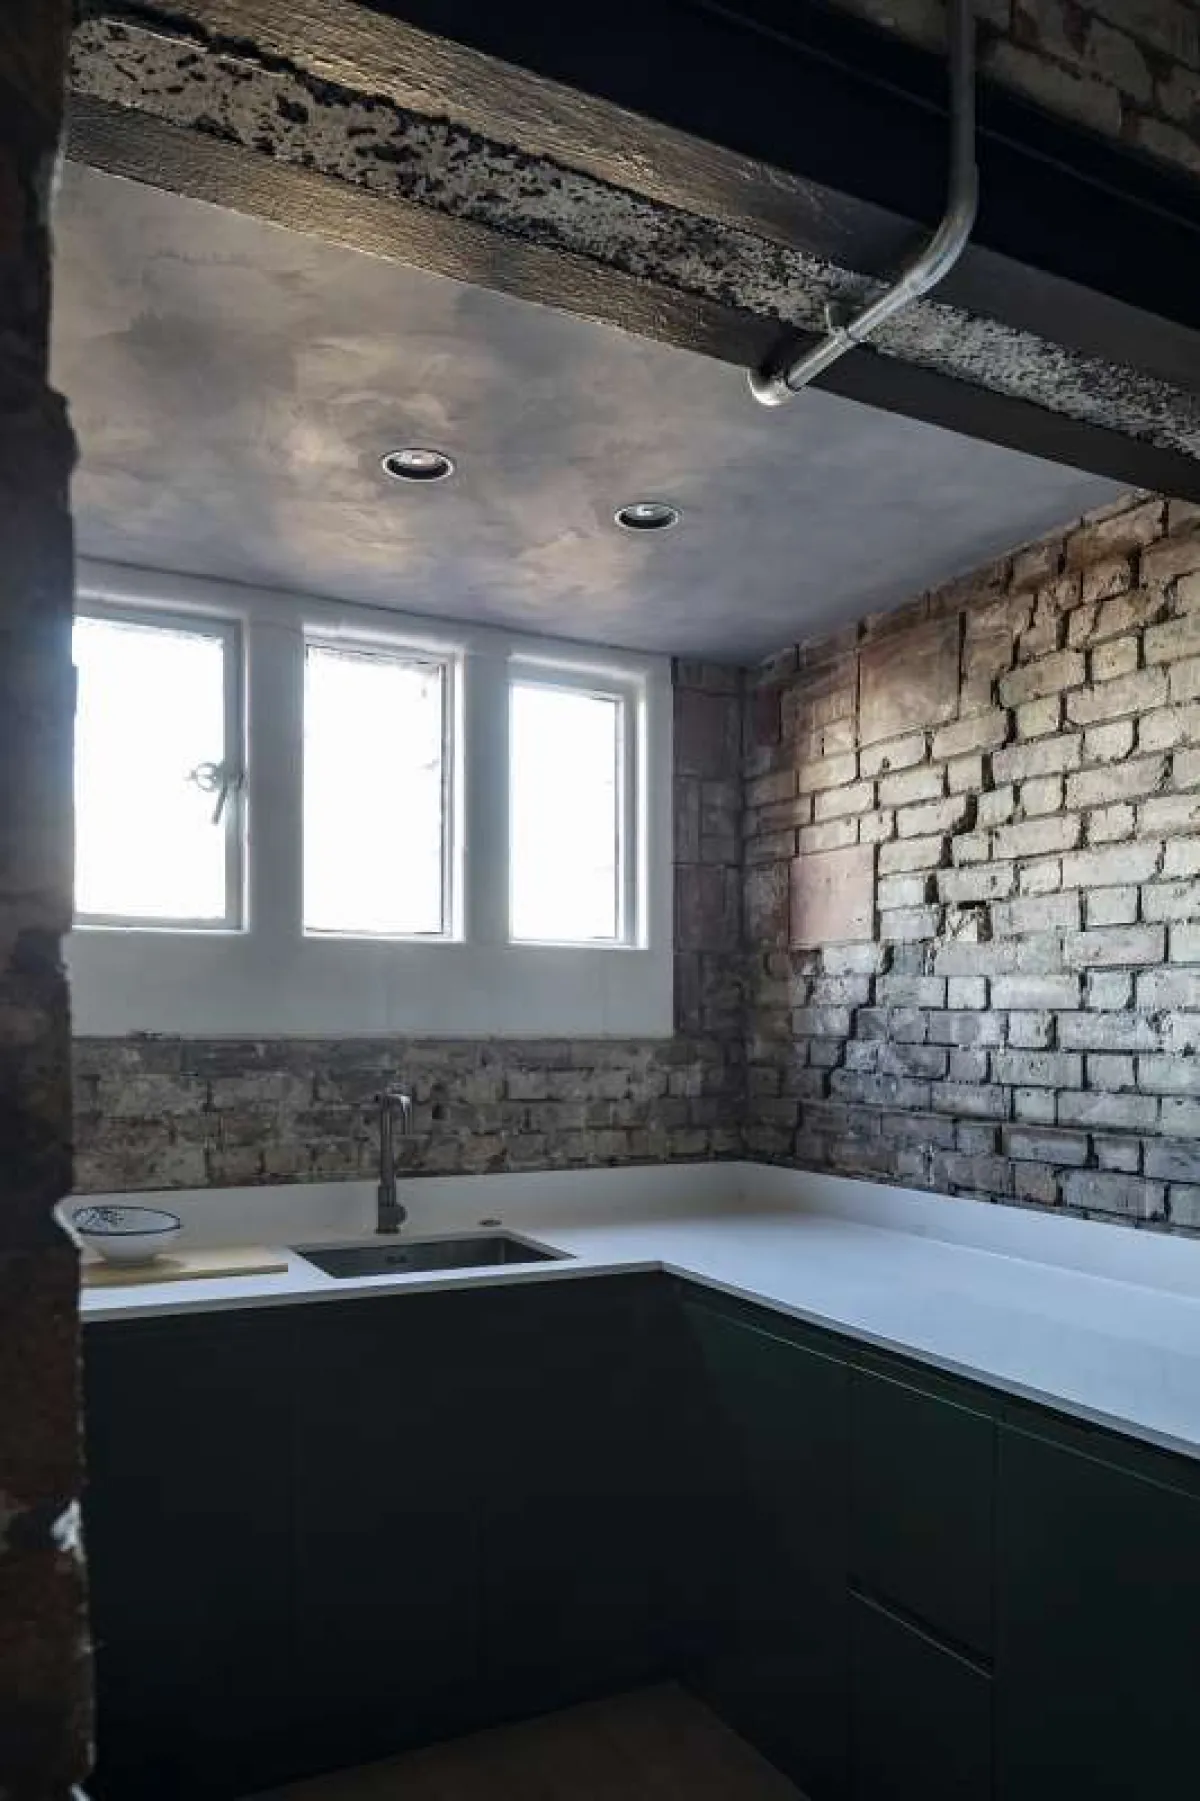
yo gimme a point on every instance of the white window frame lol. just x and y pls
(269, 977)
(387, 644)
(228, 634)
(628, 691)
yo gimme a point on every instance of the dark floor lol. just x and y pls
(655, 1745)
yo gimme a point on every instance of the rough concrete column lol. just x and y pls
(44, 1685)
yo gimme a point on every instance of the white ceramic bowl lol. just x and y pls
(126, 1234)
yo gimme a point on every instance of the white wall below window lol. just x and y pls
(272, 979)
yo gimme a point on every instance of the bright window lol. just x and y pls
(567, 812)
(375, 792)
(157, 772)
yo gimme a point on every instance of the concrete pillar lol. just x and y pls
(44, 1682)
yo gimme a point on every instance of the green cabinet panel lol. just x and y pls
(1098, 1629)
(188, 1532)
(922, 1489)
(921, 1715)
(389, 1410)
(572, 1521)
(777, 1667)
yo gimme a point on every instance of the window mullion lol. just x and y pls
(485, 834)
(274, 779)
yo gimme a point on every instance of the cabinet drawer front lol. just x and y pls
(922, 1480)
(921, 1715)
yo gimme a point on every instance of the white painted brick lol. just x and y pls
(1109, 1112)
(1038, 1069)
(996, 807)
(832, 834)
(971, 847)
(923, 782)
(1169, 726)
(1170, 900)
(826, 772)
(1185, 944)
(1168, 814)
(1182, 858)
(1108, 989)
(1111, 1072)
(835, 803)
(1102, 1192)
(965, 775)
(1042, 876)
(966, 992)
(993, 881)
(874, 828)
(902, 855)
(1042, 795)
(932, 816)
(1030, 1031)
(903, 890)
(1159, 990)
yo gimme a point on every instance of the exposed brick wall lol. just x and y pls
(973, 882)
(1129, 69)
(162, 1113)
(43, 1662)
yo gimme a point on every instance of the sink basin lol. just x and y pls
(406, 1256)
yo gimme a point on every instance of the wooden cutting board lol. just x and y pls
(186, 1266)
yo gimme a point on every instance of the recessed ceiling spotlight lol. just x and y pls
(647, 516)
(417, 463)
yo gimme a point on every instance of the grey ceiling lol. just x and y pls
(234, 386)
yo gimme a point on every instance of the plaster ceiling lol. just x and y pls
(233, 386)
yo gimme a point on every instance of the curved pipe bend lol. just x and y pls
(780, 380)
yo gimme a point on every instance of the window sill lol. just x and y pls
(230, 984)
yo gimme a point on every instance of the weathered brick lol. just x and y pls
(1168, 814)
(1110, 868)
(1169, 1075)
(1103, 1192)
(911, 853)
(970, 1101)
(1049, 1146)
(966, 991)
(1108, 989)
(905, 890)
(1114, 945)
(908, 924)
(833, 896)
(1030, 1031)
(982, 731)
(1033, 992)
(923, 782)
(1169, 558)
(966, 1028)
(893, 754)
(1109, 1112)
(821, 1022)
(1159, 990)
(1042, 876)
(826, 772)
(1185, 944)
(1038, 837)
(965, 775)
(976, 882)
(995, 807)
(1121, 533)
(1111, 907)
(1050, 675)
(1171, 900)
(1110, 825)
(1041, 756)
(1136, 693)
(1038, 1069)
(909, 683)
(1039, 718)
(1174, 1161)
(835, 803)
(1111, 1072)
(1108, 743)
(1106, 1032)
(912, 991)
(1039, 913)
(932, 817)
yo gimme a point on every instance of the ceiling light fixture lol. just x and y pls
(417, 463)
(647, 516)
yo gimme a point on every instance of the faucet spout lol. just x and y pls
(393, 1104)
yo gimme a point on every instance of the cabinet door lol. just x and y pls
(922, 1507)
(779, 1669)
(1098, 1634)
(573, 1587)
(922, 1715)
(186, 1517)
(386, 1503)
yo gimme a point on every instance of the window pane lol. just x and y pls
(374, 793)
(565, 814)
(151, 707)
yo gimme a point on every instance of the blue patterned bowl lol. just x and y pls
(126, 1234)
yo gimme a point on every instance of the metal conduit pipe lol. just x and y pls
(785, 376)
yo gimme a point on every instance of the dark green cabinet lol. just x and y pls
(921, 1714)
(1098, 1632)
(571, 1515)
(388, 1416)
(187, 1522)
(320, 1534)
(922, 1469)
(778, 1667)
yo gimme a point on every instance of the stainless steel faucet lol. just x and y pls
(391, 1213)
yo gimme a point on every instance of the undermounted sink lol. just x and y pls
(406, 1256)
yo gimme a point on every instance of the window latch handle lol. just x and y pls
(220, 779)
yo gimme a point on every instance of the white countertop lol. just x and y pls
(1098, 1320)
